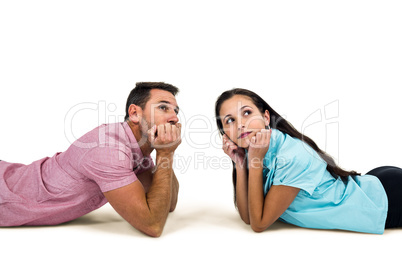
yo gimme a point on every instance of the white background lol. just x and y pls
(300, 56)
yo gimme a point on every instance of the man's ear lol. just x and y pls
(134, 113)
(267, 118)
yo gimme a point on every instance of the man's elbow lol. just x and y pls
(153, 231)
(148, 226)
(172, 207)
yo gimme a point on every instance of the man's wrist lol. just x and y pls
(164, 154)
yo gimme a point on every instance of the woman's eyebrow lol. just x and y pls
(243, 107)
(246, 106)
(226, 116)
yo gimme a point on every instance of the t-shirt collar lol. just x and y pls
(133, 144)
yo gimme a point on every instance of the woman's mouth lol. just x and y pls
(245, 134)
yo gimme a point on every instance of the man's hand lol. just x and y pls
(165, 138)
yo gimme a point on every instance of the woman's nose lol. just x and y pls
(240, 125)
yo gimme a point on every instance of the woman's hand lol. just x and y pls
(235, 153)
(259, 145)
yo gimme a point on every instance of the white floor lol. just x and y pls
(200, 233)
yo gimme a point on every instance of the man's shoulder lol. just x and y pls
(112, 134)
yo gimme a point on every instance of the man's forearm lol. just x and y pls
(159, 196)
(175, 192)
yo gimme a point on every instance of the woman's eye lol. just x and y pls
(247, 112)
(230, 120)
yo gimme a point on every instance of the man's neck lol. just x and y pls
(146, 148)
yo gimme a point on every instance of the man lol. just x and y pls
(108, 164)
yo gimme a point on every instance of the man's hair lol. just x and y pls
(141, 93)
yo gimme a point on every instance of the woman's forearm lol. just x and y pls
(255, 196)
(242, 193)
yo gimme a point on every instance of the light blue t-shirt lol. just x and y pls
(323, 202)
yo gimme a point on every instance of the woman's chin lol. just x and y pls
(244, 145)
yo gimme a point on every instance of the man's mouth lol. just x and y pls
(244, 134)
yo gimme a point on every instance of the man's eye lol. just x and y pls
(163, 107)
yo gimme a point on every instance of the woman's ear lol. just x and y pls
(267, 118)
(134, 113)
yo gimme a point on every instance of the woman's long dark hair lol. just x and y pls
(278, 122)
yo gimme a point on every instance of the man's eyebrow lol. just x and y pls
(167, 102)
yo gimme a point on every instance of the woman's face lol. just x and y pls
(241, 119)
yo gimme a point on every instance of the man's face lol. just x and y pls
(161, 108)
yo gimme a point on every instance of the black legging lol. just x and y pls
(391, 179)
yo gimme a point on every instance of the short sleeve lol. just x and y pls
(299, 171)
(109, 167)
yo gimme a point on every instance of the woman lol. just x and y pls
(280, 173)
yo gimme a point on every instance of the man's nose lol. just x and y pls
(173, 119)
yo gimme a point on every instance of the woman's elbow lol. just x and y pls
(258, 228)
(246, 221)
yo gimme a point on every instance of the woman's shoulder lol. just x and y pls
(294, 150)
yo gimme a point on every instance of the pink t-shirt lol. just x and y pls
(70, 184)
